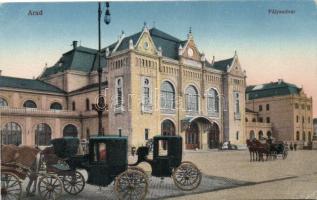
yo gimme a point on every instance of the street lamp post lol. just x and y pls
(100, 107)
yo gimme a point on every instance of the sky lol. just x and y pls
(269, 46)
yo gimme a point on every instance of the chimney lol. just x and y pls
(280, 81)
(75, 44)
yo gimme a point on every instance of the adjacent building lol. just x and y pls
(286, 107)
(154, 83)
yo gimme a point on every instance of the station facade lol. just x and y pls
(154, 83)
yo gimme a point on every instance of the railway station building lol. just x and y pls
(154, 83)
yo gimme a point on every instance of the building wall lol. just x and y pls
(283, 115)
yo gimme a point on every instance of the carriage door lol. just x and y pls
(192, 136)
(167, 128)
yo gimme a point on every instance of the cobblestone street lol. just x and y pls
(230, 175)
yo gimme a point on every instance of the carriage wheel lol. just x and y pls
(140, 170)
(187, 176)
(131, 184)
(50, 187)
(11, 187)
(74, 183)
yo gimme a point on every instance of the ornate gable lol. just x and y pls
(235, 67)
(145, 43)
(190, 50)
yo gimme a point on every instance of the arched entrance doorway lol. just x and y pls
(70, 131)
(213, 136)
(192, 136)
(252, 135)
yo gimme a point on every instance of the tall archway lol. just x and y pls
(252, 135)
(192, 136)
(260, 134)
(269, 134)
(213, 136)
(11, 134)
(70, 131)
(43, 134)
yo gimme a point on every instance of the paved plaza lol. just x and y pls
(230, 175)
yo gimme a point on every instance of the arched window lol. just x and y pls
(43, 134)
(29, 104)
(11, 134)
(167, 127)
(56, 106)
(237, 102)
(70, 131)
(87, 104)
(246, 119)
(146, 94)
(297, 135)
(260, 135)
(212, 101)
(191, 95)
(167, 96)
(253, 120)
(119, 95)
(3, 102)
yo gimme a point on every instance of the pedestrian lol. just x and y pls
(295, 146)
(291, 146)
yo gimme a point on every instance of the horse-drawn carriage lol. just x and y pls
(258, 149)
(107, 162)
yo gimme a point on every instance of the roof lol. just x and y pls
(168, 43)
(31, 84)
(222, 64)
(86, 59)
(80, 59)
(279, 88)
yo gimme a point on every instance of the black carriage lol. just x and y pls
(106, 162)
(279, 149)
(57, 167)
(167, 162)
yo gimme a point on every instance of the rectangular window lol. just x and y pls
(297, 118)
(261, 119)
(237, 135)
(260, 107)
(146, 134)
(120, 132)
(267, 107)
(268, 120)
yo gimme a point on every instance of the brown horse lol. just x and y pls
(23, 156)
(252, 149)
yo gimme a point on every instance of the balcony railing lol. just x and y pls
(35, 111)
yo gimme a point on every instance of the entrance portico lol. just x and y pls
(200, 133)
